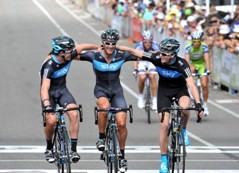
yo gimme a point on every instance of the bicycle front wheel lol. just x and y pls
(113, 165)
(57, 151)
(66, 151)
(180, 153)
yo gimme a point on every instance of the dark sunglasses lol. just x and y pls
(147, 41)
(164, 54)
(110, 43)
(196, 41)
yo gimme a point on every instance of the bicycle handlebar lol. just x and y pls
(62, 110)
(175, 108)
(114, 110)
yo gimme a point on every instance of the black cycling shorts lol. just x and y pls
(115, 96)
(62, 97)
(165, 95)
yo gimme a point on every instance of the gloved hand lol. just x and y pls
(135, 72)
(208, 72)
(198, 107)
(48, 109)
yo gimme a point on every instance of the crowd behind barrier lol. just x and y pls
(224, 63)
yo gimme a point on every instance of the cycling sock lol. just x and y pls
(122, 153)
(164, 158)
(141, 95)
(73, 144)
(101, 135)
(184, 129)
(49, 145)
(154, 98)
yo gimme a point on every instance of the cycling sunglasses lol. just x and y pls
(165, 54)
(196, 41)
(147, 41)
(110, 43)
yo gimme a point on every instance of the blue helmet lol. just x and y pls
(62, 43)
(147, 36)
(169, 46)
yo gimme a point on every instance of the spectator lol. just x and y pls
(224, 41)
(234, 38)
(159, 21)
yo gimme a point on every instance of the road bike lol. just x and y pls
(112, 153)
(61, 141)
(176, 145)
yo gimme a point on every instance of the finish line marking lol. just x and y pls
(129, 149)
(104, 171)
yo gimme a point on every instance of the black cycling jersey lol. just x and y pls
(171, 75)
(55, 71)
(107, 75)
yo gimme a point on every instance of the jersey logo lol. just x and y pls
(107, 67)
(180, 63)
(61, 72)
(168, 73)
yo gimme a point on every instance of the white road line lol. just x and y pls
(223, 101)
(50, 17)
(223, 108)
(104, 171)
(129, 149)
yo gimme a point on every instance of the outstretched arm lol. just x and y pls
(135, 52)
(81, 47)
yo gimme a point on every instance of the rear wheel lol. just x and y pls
(148, 104)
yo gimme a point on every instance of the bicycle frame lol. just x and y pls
(176, 145)
(112, 153)
(61, 140)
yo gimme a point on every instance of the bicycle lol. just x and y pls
(176, 145)
(112, 153)
(61, 141)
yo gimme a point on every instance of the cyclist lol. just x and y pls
(174, 77)
(197, 55)
(140, 68)
(54, 91)
(108, 90)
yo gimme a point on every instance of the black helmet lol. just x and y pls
(110, 35)
(169, 46)
(64, 43)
